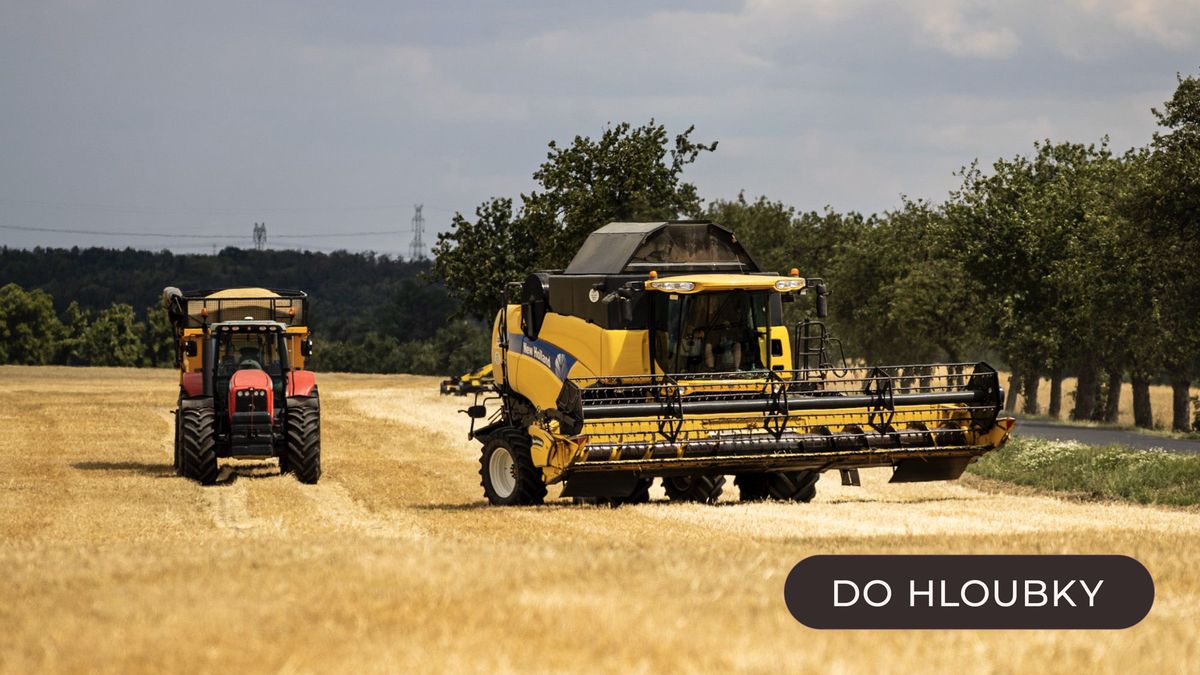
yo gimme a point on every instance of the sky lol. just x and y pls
(330, 120)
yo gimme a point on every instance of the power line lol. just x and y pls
(177, 235)
(233, 210)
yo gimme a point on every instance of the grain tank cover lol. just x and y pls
(666, 247)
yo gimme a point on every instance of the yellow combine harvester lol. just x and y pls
(661, 351)
(473, 382)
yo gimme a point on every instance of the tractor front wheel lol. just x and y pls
(703, 489)
(198, 444)
(509, 476)
(303, 427)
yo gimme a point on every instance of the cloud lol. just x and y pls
(841, 102)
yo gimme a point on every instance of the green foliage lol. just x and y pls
(629, 173)
(455, 348)
(29, 330)
(113, 339)
(158, 338)
(1113, 472)
(348, 290)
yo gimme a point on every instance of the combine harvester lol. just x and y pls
(243, 389)
(661, 351)
(476, 381)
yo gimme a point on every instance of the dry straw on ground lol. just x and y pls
(393, 564)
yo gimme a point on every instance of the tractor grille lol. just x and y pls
(250, 400)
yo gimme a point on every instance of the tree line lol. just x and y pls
(96, 306)
(1069, 260)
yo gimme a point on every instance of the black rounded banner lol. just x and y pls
(969, 591)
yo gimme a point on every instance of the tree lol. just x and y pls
(113, 339)
(629, 173)
(1168, 208)
(764, 227)
(158, 336)
(29, 329)
(478, 259)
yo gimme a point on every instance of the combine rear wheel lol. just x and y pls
(303, 427)
(704, 489)
(198, 444)
(509, 476)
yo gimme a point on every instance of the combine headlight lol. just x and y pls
(671, 285)
(789, 284)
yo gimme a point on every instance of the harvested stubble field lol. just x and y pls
(394, 564)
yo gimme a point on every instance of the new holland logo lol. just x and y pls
(554, 359)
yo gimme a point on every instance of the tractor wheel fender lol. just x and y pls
(197, 402)
(302, 383)
(192, 384)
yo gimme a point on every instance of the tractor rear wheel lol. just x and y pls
(508, 475)
(703, 489)
(198, 444)
(303, 428)
(795, 486)
(752, 487)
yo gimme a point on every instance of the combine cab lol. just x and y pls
(243, 388)
(661, 351)
(474, 382)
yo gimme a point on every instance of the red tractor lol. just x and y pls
(243, 389)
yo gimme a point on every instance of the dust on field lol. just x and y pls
(393, 562)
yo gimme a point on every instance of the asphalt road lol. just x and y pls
(1101, 436)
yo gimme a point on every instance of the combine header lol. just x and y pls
(661, 351)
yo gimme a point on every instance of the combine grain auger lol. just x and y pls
(661, 351)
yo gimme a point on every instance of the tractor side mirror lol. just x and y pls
(477, 412)
(190, 348)
(306, 347)
(822, 307)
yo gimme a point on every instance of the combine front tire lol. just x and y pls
(704, 489)
(640, 495)
(752, 487)
(198, 444)
(795, 486)
(509, 476)
(303, 428)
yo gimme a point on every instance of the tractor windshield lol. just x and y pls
(711, 332)
(248, 351)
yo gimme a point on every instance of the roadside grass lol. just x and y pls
(1103, 472)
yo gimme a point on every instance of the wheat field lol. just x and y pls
(394, 564)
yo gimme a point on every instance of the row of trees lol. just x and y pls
(1072, 260)
(33, 333)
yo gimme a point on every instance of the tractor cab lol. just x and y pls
(240, 346)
